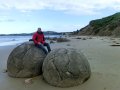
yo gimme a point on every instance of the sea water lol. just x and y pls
(15, 40)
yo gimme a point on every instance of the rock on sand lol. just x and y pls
(25, 61)
(65, 68)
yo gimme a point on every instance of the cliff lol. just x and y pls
(107, 26)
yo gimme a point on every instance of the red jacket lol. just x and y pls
(38, 38)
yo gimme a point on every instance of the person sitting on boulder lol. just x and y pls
(39, 41)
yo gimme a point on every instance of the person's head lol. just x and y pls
(39, 30)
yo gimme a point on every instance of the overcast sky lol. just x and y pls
(25, 16)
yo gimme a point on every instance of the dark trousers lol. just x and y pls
(41, 46)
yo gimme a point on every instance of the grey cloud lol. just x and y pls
(71, 6)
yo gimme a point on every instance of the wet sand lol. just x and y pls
(103, 58)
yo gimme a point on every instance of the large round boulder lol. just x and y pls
(66, 68)
(25, 61)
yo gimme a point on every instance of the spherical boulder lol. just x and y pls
(25, 61)
(66, 68)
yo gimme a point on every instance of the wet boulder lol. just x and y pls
(66, 68)
(25, 61)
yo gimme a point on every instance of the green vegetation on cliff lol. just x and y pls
(106, 26)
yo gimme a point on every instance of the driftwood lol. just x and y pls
(115, 45)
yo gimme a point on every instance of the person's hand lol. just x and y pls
(39, 43)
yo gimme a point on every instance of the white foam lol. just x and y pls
(10, 43)
(13, 40)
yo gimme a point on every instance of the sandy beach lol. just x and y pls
(103, 58)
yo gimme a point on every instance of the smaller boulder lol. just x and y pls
(25, 61)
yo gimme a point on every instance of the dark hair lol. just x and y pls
(39, 29)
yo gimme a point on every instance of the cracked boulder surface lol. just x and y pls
(25, 61)
(66, 68)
